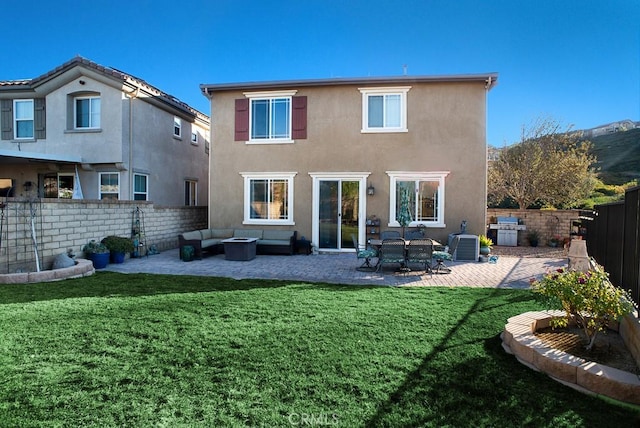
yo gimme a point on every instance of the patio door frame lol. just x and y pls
(361, 178)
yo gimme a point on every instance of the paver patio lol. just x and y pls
(508, 272)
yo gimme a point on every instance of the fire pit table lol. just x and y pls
(240, 249)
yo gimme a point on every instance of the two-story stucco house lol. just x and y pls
(127, 139)
(326, 157)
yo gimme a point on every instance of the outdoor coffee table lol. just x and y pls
(240, 249)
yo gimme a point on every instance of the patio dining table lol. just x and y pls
(377, 244)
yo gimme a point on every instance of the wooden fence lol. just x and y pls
(613, 240)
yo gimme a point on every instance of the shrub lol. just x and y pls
(118, 244)
(93, 247)
(485, 241)
(587, 298)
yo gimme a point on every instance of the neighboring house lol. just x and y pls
(127, 139)
(324, 157)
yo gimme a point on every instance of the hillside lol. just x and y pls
(618, 156)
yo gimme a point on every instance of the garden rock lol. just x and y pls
(63, 261)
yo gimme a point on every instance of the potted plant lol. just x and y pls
(485, 244)
(118, 246)
(97, 252)
(555, 241)
(533, 236)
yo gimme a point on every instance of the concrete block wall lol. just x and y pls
(548, 223)
(69, 224)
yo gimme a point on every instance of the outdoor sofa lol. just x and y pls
(210, 240)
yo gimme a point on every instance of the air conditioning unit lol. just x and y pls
(468, 248)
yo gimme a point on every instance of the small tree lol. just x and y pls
(589, 299)
(547, 166)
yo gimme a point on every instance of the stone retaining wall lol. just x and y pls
(518, 339)
(65, 224)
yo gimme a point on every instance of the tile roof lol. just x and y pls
(109, 72)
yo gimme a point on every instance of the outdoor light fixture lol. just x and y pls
(371, 190)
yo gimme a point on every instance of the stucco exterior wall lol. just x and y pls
(446, 132)
(126, 116)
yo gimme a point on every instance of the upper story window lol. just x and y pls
(384, 109)
(194, 138)
(268, 198)
(23, 119)
(177, 127)
(271, 117)
(140, 187)
(424, 195)
(109, 185)
(87, 112)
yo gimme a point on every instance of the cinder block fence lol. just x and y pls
(60, 225)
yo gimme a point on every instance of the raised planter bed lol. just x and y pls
(586, 376)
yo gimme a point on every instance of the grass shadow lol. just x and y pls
(488, 381)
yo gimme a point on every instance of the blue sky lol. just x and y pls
(577, 61)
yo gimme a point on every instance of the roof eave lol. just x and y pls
(489, 79)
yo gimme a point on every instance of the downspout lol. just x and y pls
(131, 95)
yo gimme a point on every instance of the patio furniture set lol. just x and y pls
(238, 244)
(392, 249)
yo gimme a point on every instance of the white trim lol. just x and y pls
(177, 124)
(271, 98)
(248, 177)
(75, 113)
(438, 176)
(361, 177)
(100, 174)
(391, 90)
(133, 187)
(32, 119)
(270, 94)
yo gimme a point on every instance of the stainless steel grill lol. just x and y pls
(507, 228)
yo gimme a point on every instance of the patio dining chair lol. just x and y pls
(390, 234)
(420, 251)
(365, 253)
(391, 251)
(442, 255)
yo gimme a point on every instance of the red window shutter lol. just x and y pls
(242, 120)
(299, 118)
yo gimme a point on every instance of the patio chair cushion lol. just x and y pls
(278, 235)
(442, 255)
(248, 233)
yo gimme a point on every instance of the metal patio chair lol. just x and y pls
(390, 234)
(391, 251)
(442, 255)
(420, 251)
(365, 253)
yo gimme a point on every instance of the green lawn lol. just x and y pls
(175, 351)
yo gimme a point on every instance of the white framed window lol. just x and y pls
(140, 187)
(270, 116)
(190, 193)
(109, 183)
(268, 198)
(177, 127)
(424, 192)
(23, 119)
(384, 109)
(87, 112)
(194, 138)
